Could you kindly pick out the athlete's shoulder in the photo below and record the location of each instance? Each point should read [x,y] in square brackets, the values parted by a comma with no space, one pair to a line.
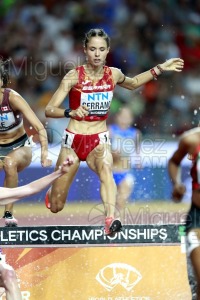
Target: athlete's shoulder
[80,68]
[13,94]
[71,74]
[115,70]
[190,134]
[71,78]
[117,75]
[16,100]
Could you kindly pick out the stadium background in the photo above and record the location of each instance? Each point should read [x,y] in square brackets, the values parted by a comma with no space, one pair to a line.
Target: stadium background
[44,40]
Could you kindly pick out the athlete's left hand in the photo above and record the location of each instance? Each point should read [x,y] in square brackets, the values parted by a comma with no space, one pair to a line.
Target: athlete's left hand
[178,192]
[173,64]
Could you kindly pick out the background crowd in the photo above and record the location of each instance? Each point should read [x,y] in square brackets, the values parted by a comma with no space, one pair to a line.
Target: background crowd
[44,40]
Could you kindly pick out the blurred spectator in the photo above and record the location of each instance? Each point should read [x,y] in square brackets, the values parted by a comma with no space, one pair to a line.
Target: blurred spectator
[42,36]
[125,141]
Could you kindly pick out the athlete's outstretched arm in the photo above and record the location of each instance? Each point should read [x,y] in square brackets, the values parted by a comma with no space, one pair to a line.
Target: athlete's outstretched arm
[9,195]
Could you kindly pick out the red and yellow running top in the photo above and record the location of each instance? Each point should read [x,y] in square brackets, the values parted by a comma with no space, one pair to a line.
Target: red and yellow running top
[97,96]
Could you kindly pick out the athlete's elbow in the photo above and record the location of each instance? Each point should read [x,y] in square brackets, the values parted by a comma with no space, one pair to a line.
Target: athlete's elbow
[48,111]
[131,87]
[135,83]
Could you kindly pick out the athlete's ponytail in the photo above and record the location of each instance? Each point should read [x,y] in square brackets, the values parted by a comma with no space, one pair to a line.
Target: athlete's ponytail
[4,74]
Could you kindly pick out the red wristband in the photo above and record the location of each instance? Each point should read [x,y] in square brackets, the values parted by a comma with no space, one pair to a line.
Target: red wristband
[153,72]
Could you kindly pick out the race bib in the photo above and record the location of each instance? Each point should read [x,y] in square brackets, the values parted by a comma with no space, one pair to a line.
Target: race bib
[104,138]
[97,103]
[6,121]
[67,139]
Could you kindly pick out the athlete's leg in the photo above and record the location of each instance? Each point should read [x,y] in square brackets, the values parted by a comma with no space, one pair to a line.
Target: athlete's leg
[100,161]
[15,162]
[124,191]
[8,280]
[1,164]
[195,255]
[58,192]
[8,195]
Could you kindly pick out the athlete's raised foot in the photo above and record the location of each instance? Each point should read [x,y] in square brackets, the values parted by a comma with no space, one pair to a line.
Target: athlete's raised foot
[112,226]
[47,203]
[10,220]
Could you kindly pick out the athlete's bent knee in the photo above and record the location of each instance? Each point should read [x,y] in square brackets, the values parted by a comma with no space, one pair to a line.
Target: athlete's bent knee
[8,276]
[56,207]
[10,166]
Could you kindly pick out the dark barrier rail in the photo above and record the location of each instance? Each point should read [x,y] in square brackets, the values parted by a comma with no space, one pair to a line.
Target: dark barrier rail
[91,235]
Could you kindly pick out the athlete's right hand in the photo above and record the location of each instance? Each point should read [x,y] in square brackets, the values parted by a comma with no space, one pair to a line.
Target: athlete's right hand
[178,192]
[80,112]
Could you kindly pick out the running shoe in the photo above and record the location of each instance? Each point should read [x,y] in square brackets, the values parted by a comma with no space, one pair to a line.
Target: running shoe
[47,203]
[10,220]
[112,226]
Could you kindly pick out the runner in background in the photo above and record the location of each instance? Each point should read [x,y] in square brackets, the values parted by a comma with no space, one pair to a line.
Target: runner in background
[125,143]
[15,145]
[189,144]
[8,279]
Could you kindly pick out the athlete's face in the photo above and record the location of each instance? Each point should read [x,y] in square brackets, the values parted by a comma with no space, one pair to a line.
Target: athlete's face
[96,51]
